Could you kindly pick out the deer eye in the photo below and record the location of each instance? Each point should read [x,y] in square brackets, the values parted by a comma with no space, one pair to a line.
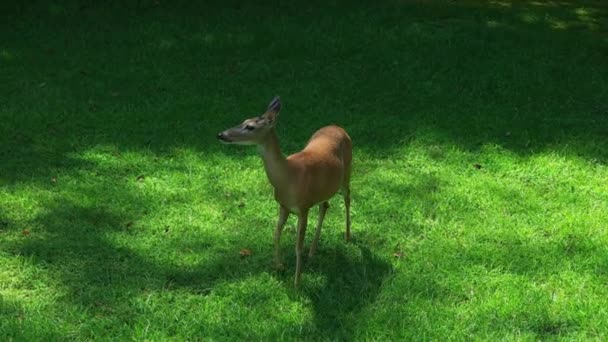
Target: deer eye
[249,127]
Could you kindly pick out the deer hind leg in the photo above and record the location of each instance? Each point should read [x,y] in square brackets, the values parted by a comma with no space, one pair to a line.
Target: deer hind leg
[302,222]
[346,195]
[348,157]
[283,215]
[315,242]
[345,190]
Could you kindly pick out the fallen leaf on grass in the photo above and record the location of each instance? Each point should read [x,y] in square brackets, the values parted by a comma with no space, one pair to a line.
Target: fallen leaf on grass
[245,252]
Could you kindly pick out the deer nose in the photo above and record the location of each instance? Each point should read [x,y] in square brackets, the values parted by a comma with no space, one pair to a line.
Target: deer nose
[222,137]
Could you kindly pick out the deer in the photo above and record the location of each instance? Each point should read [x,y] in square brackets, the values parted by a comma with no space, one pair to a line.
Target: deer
[301,180]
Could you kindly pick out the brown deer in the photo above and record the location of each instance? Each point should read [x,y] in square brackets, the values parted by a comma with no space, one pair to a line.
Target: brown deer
[302,180]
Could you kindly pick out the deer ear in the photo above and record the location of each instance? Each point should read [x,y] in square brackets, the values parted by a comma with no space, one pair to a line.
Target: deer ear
[274,107]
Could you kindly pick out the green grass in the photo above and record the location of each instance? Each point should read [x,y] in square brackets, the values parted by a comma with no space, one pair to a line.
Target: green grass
[480,182]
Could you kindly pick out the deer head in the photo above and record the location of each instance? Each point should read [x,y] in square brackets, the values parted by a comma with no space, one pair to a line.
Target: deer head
[255,130]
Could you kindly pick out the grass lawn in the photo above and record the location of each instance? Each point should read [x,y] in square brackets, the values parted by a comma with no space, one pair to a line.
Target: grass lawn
[480,180]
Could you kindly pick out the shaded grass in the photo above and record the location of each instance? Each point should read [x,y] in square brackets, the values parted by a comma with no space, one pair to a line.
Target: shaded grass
[479,190]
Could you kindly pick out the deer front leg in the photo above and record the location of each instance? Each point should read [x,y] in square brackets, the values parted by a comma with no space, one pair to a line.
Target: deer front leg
[302,222]
[315,242]
[283,215]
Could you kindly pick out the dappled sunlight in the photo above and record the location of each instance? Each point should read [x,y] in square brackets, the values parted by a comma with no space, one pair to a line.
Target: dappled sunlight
[493,23]
[154,241]
[214,39]
[479,184]
[507,4]
[135,223]
[165,44]
[497,189]
[550,3]
[557,24]
[530,18]
[185,175]
[7,55]
[588,16]
[551,13]
[174,222]
[585,13]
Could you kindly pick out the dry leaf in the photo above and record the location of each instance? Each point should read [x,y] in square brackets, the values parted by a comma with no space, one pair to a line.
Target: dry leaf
[245,252]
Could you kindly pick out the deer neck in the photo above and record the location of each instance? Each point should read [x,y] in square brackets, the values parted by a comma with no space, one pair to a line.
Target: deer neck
[275,163]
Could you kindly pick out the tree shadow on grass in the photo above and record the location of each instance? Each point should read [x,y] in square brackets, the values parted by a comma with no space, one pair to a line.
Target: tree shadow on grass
[477,94]
[524,100]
